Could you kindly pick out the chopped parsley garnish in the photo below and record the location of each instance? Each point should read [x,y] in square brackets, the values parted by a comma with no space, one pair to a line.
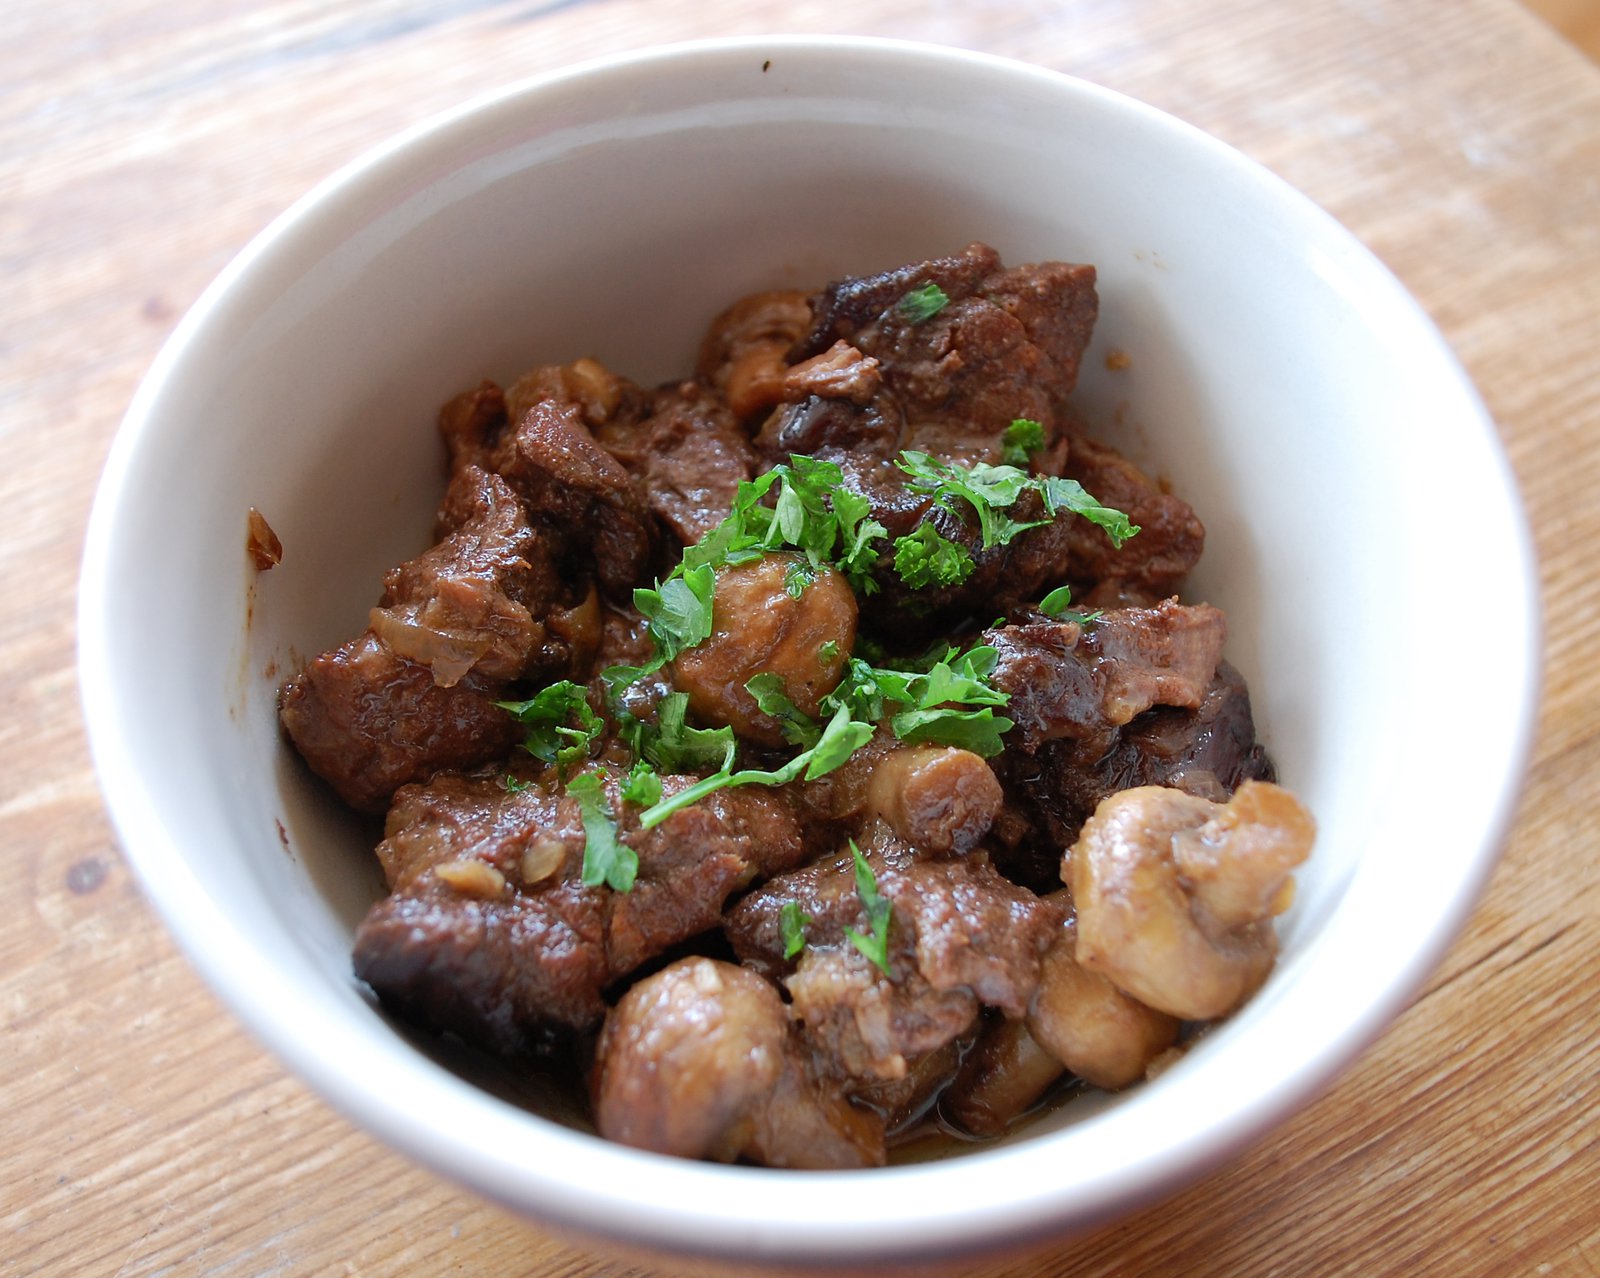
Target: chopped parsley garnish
[672,744]
[926,557]
[1022,439]
[991,490]
[606,859]
[874,944]
[988,490]
[976,730]
[950,702]
[803,507]
[798,728]
[642,786]
[797,577]
[679,611]
[549,717]
[811,512]
[1061,494]
[841,738]
[1057,604]
[922,304]
[943,698]
[792,920]
[513,786]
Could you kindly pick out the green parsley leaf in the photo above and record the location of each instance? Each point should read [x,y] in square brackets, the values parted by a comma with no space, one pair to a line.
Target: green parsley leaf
[642,786]
[790,514]
[976,730]
[875,944]
[964,679]
[1055,604]
[606,859]
[679,611]
[857,692]
[513,786]
[1022,439]
[922,304]
[673,745]
[797,576]
[827,651]
[926,557]
[771,699]
[739,535]
[841,738]
[792,920]
[947,703]
[1068,494]
[803,516]
[618,679]
[548,716]
[857,555]
[988,490]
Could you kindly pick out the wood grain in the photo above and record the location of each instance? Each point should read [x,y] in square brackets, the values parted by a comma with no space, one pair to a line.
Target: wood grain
[142,143]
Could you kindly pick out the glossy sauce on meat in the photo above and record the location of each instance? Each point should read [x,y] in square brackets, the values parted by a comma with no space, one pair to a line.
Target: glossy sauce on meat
[739,751]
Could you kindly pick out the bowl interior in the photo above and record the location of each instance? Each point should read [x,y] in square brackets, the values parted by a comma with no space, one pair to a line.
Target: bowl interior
[1276,374]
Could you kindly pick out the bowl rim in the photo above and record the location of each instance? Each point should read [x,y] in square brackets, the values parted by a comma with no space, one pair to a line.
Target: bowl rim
[710,1211]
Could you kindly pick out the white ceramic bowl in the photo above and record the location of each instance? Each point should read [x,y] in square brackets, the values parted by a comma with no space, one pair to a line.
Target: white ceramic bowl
[1360,513]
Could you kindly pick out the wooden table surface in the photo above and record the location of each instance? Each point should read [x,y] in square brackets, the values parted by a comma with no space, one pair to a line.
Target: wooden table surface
[142,142]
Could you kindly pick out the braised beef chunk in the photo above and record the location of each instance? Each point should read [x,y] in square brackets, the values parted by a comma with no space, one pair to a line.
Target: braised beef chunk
[845,307]
[823,893]
[959,937]
[775,831]
[693,861]
[1160,656]
[506,974]
[974,929]
[368,721]
[1148,567]
[868,1026]
[1005,344]
[1002,345]
[567,480]
[471,425]
[881,376]
[1208,751]
[837,429]
[526,835]
[1067,680]
[689,453]
[415,693]
[487,881]
[469,602]
[957,923]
